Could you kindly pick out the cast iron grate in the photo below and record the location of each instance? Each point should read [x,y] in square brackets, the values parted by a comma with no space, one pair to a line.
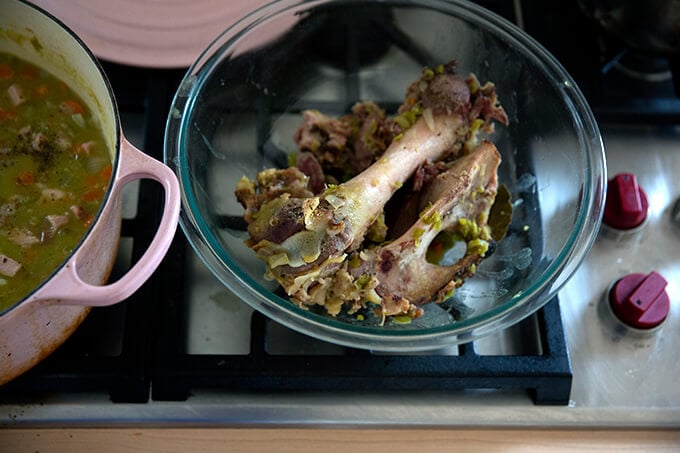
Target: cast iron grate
[592,58]
[119,350]
[545,374]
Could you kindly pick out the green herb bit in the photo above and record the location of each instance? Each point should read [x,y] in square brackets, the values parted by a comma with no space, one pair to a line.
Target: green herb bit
[402,122]
[292,159]
[468,229]
[363,281]
[477,246]
[404,319]
[434,219]
[417,235]
[473,84]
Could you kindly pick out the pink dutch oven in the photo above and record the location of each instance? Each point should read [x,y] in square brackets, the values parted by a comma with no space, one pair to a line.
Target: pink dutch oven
[34,327]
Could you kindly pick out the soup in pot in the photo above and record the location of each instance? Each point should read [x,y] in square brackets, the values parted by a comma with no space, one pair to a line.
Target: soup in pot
[54,172]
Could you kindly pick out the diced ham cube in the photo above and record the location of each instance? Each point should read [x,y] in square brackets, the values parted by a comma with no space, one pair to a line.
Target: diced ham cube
[23,237]
[77,211]
[8,267]
[54,222]
[16,94]
[53,194]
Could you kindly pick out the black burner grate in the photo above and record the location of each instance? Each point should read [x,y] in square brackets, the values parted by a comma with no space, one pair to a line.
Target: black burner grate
[546,374]
[595,59]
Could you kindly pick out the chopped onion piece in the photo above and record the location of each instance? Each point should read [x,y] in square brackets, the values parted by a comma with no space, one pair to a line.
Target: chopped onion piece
[78,118]
[429,118]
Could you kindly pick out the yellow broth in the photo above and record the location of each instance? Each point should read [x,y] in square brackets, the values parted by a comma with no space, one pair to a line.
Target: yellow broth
[54,172]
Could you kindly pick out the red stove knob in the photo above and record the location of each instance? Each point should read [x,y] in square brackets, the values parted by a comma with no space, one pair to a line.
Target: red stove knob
[626,206]
[640,301]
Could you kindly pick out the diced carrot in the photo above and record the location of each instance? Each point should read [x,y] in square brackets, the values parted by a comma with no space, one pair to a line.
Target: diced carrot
[90,180]
[41,90]
[25,178]
[29,72]
[28,255]
[87,219]
[7,114]
[105,173]
[6,71]
[71,107]
[91,195]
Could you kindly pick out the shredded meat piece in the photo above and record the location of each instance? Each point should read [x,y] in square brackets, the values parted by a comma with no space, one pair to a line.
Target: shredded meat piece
[310,166]
[347,145]
[22,237]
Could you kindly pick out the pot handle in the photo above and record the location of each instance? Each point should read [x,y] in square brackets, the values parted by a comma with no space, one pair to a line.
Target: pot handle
[66,286]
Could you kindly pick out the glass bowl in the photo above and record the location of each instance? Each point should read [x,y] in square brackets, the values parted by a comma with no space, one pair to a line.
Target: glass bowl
[239,105]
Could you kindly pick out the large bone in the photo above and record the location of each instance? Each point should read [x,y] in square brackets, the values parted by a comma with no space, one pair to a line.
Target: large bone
[312,243]
[459,199]
[397,277]
[318,231]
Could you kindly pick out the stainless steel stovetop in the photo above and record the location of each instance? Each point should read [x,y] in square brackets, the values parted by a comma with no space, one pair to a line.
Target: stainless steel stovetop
[620,379]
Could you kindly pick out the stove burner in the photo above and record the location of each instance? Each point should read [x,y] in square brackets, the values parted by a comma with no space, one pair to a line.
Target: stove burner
[544,371]
[675,214]
[647,68]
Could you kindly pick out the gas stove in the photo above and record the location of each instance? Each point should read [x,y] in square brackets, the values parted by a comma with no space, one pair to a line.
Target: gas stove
[185,351]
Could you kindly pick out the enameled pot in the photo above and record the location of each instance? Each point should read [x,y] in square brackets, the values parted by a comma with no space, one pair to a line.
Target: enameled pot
[34,327]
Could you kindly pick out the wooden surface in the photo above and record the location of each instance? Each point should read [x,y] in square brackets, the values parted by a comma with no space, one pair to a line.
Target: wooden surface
[333,440]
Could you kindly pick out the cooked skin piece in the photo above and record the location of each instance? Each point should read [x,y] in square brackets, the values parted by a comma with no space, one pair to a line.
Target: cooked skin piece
[327,247]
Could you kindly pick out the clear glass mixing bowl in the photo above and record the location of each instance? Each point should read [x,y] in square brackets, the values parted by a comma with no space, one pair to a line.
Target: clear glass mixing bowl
[239,105]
